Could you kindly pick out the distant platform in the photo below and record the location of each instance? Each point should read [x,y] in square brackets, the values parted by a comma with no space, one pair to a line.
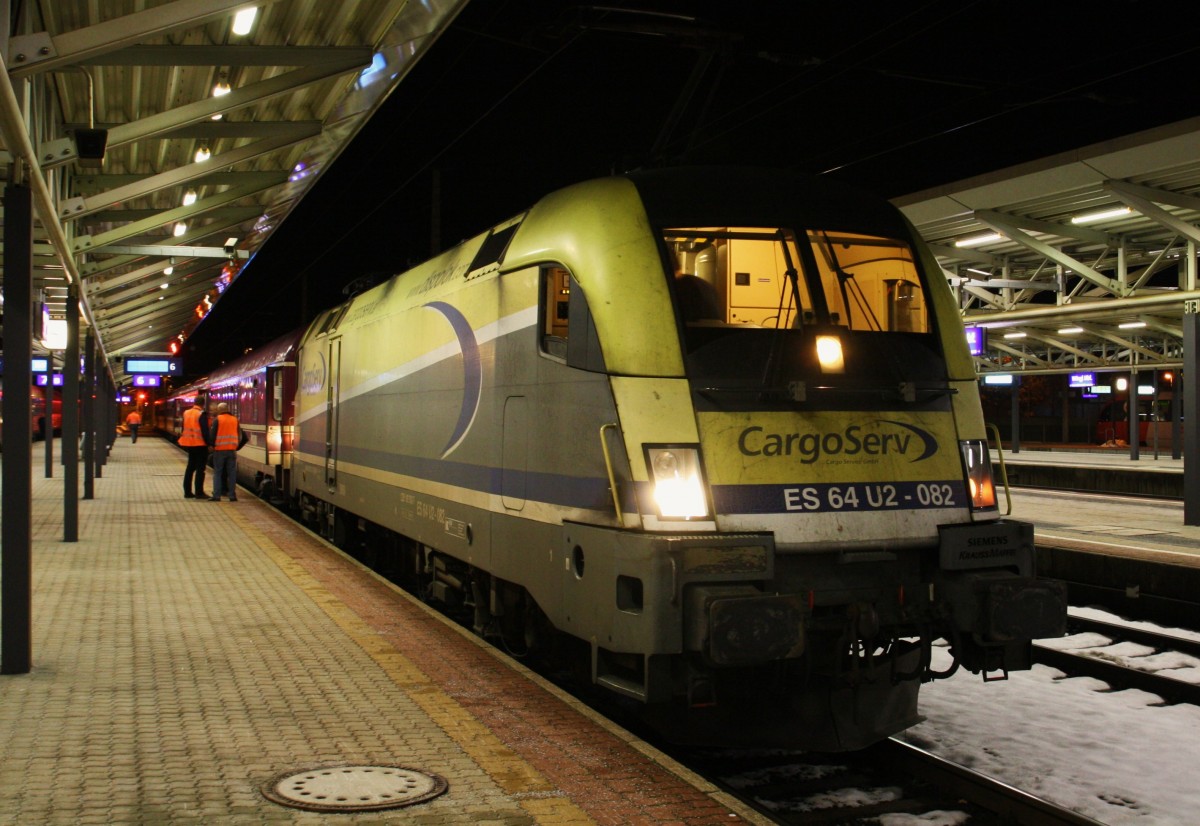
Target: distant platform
[1095,469]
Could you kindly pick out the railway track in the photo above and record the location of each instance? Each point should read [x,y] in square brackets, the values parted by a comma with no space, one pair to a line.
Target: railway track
[1119,676]
[891,777]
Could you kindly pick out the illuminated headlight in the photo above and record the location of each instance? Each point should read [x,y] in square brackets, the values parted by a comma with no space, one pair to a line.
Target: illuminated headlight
[679,489]
[977,463]
[829,354]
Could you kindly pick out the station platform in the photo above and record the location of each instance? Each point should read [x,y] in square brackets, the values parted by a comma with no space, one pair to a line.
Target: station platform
[1100,470]
[188,655]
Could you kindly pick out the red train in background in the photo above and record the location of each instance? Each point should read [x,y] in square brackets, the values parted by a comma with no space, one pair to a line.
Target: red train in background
[37,409]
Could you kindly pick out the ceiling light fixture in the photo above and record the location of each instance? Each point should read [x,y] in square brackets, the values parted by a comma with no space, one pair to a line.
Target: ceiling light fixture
[1132,325]
[1070,331]
[180,228]
[243,21]
[979,239]
[189,197]
[203,153]
[1015,335]
[1103,215]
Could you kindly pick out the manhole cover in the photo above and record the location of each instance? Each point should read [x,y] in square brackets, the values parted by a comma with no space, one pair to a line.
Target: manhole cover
[354,788]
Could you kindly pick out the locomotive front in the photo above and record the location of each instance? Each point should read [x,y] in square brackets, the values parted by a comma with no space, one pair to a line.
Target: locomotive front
[799,468]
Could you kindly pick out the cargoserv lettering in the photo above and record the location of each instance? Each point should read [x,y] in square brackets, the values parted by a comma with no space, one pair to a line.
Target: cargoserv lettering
[810,447]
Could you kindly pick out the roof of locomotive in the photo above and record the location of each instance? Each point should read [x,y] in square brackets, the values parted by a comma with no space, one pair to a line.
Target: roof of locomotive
[758,196]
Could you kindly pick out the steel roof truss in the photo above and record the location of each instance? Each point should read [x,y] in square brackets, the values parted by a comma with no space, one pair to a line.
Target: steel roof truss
[42,52]
[142,285]
[1011,228]
[1135,197]
[95,243]
[1021,354]
[79,207]
[228,55]
[108,264]
[147,312]
[64,151]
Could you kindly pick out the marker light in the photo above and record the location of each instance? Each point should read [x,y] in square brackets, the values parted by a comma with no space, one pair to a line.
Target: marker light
[678,482]
[977,463]
[829,354]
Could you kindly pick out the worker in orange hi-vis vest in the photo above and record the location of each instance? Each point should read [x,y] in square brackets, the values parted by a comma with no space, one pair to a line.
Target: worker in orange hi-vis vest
[133,421]
[194,439]
[227,439]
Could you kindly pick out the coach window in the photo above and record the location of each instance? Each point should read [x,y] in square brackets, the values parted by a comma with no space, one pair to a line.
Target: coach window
[277,396]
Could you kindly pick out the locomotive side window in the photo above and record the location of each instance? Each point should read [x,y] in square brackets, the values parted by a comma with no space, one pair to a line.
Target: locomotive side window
[567,330]
[556,311]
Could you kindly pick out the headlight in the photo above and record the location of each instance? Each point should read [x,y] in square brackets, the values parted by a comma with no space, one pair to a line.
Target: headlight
[977,463]
[679,489]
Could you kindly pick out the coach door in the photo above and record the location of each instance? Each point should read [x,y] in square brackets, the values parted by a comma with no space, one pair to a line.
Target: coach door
[332,414]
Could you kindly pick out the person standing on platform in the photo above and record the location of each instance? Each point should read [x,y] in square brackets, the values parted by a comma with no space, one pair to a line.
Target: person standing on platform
[133,421]
[194,439]
[227,440]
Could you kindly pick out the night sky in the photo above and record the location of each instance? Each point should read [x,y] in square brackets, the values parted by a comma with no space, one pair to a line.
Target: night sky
[521,97]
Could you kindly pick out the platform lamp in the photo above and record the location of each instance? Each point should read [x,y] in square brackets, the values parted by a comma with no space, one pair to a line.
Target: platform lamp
[91,142]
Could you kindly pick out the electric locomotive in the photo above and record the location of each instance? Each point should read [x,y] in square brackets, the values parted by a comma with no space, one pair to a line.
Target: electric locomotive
[719,426]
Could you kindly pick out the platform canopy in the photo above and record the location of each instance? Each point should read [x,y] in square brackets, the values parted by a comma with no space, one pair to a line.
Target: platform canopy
[165,140]
[1085,260]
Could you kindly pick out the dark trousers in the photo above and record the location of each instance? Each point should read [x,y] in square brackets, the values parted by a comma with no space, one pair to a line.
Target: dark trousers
[197,459]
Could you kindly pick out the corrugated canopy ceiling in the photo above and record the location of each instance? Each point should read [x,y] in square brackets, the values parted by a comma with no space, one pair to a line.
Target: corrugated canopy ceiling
[212,137]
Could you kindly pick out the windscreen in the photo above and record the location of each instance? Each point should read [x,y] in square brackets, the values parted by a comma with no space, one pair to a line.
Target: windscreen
[752,302]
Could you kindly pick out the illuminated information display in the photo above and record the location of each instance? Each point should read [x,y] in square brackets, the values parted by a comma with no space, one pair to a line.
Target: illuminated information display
[146,380]
[153,365]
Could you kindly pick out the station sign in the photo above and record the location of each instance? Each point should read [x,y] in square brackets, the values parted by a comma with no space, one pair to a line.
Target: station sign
[1082,379]
[976,339]
[146,380]
[999,379]
[156,365]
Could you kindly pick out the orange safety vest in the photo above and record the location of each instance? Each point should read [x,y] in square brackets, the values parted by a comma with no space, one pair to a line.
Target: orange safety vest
[133,418]
[227,432]
[191,435]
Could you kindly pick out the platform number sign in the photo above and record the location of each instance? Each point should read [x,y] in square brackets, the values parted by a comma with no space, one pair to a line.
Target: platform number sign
[1191,306]
[154,365]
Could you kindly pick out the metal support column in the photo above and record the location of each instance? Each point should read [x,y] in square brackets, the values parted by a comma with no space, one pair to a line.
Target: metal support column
[1189,387]
[70,419]
[16,530]
[89,416]
[1015,446]
[1135,427]
[48,415]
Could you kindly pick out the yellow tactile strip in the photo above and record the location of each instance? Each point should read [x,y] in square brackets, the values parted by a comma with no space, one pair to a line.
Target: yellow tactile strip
[562,764]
